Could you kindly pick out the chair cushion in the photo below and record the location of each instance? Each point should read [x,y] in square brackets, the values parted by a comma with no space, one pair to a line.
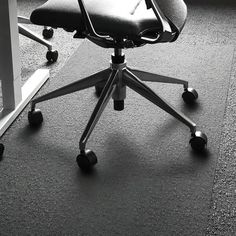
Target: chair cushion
[119,18]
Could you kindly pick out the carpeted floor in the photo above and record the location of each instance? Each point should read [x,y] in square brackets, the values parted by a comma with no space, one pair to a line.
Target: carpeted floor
[147,181]
[213,23]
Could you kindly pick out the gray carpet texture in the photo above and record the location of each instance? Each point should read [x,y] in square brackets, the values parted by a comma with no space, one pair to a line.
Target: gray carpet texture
[147,181]
[213,23]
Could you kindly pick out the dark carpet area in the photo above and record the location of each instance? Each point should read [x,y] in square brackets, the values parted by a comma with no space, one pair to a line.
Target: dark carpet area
[147,181]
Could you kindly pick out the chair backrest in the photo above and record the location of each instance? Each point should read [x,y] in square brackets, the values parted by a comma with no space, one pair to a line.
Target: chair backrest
[175,11]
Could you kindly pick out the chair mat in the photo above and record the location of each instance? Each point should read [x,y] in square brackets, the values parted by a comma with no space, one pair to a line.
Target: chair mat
[147,180]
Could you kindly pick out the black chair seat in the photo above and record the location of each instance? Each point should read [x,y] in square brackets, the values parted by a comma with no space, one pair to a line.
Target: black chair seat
[118,18]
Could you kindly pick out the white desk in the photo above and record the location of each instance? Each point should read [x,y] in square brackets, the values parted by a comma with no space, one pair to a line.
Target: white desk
[15,97]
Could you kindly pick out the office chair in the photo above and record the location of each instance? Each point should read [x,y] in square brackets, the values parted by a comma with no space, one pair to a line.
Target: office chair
[51,55]
[119,25]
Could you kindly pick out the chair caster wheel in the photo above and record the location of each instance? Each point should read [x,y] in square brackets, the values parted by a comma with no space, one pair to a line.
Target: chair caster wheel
[35,118]
[190,95]
[86,160]
[198,141]
[2,148]
[52,56]
[48,33]
[98,88]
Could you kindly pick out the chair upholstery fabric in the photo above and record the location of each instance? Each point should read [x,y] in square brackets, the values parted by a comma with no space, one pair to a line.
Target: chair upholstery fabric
[118,18]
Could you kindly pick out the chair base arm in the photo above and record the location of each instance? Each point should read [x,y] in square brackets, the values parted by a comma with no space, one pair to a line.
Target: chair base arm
[115,80]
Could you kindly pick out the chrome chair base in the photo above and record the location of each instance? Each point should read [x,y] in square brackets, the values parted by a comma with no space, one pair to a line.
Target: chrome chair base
[114,81]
